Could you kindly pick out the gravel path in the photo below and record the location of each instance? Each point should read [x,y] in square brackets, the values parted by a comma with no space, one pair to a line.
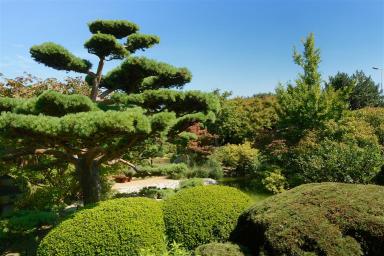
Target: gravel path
[137,184]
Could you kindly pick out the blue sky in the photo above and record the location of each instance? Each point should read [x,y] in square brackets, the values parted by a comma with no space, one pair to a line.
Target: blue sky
[241,46]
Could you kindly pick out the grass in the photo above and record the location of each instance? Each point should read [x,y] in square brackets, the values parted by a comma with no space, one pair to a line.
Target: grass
[251,187]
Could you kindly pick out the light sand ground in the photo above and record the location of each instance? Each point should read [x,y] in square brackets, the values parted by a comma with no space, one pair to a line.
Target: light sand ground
[137,184]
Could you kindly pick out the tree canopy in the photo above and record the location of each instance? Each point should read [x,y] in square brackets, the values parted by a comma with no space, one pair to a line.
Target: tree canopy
[362,90]
[89,131]
[135,74]
[307,105]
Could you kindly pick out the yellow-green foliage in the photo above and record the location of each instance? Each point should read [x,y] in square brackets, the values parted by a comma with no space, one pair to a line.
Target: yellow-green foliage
[239,159]
[317,219]
[343,151]
[373,116]
[242,119]
[203,214]
[115,227]
[274,181]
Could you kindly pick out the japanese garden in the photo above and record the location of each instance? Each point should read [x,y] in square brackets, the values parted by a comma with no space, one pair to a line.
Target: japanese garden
[296,171]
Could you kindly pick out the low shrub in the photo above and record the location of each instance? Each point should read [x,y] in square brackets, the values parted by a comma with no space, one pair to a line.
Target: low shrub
[239,160]
[316,219]
[274,181]
[203,214]
[173,171]
[208,169]
[22,230]
[25,221]
[219,249]
[115,227]
[190,183]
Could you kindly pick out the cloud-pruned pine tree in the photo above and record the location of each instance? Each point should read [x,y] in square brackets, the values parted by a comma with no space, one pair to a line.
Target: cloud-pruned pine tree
[127,106]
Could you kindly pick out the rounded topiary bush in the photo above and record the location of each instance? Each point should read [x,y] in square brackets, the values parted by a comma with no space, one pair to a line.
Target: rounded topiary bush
[203,214]
[115,227]
[219,249]
[316,219]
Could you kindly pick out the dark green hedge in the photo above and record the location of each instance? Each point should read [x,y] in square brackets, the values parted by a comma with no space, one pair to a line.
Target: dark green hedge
[219,249]
[317,219]
[203,214]
[114,227]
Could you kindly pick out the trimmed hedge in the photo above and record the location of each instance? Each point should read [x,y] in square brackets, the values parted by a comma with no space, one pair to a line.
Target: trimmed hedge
[114,227]
[316,219]
[203,214]
[219,249]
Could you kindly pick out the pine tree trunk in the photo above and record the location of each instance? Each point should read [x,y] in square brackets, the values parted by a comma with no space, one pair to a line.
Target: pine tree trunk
[89,175]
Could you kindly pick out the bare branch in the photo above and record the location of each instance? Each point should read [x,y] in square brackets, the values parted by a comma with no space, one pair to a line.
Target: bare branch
[55,153]
[134,167]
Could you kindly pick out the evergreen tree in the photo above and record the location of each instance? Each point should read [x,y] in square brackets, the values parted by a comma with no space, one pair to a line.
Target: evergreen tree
[90,131]
[363,92]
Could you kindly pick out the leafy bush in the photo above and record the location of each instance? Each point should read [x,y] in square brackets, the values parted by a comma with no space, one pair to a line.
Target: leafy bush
[173,171]
[22,230]
[316,219]
[219,249]
[24,221]
[115,227]
[274,181]
[203,214]
[240,160]
[208,169]
[373,116]
[190,183]
[242,119]
[344,151]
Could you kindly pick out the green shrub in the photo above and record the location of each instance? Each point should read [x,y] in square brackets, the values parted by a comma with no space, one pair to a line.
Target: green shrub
[274,181]
[27,220]
[316,219]
[209,169]
[22,230]
[173,171]
[190,183]
[114,227]
[345,151]
[239,160]
[203,214]
[219,249]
